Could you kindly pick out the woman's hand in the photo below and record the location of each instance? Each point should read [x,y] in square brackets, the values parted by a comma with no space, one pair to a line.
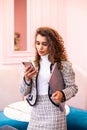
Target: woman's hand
[29,73]
[57,96]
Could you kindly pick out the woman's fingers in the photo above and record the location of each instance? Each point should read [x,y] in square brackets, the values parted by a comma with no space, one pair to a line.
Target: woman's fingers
[30,72]
[57,96]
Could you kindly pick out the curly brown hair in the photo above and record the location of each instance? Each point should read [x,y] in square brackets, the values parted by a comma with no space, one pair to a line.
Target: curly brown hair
[57,52]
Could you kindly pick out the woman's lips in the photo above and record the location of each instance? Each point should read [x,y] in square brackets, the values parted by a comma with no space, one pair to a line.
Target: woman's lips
[41,52]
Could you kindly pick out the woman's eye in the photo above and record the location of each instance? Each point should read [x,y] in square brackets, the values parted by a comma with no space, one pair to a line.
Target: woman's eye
[37,43]
[45,44]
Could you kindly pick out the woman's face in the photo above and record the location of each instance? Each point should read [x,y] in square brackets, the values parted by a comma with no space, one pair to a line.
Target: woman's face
[41,45]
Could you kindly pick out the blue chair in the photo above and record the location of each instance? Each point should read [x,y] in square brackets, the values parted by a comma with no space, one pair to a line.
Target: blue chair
[19,125]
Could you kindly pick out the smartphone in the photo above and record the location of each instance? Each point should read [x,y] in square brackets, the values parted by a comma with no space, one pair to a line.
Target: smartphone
[28,64]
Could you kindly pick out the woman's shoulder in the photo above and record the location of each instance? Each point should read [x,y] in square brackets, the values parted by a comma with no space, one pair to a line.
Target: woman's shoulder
[67,65]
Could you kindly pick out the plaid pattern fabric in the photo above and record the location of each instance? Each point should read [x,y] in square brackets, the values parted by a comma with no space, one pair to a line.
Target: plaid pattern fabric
[46,116]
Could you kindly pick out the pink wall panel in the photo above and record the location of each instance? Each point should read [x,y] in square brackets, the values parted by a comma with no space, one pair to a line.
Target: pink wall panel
[20,21]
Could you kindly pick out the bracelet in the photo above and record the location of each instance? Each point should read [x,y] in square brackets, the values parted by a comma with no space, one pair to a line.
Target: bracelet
[64,98]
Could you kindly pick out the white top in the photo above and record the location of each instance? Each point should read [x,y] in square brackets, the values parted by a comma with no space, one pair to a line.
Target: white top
[44,75]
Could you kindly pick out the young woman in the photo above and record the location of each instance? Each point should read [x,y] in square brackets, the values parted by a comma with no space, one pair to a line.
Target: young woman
[47,113]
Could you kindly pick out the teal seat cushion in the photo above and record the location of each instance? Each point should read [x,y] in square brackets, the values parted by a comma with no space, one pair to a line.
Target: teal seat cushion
[14,123]
[77,119]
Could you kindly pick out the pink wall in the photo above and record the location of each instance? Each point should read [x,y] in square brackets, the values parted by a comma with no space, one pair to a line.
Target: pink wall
[77,47]
[77,32]
[20,21]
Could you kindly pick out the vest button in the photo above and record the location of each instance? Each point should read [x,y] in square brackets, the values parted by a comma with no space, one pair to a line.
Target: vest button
[30,97]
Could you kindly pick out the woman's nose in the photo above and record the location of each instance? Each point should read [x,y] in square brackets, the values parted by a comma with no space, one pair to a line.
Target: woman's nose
[41,46]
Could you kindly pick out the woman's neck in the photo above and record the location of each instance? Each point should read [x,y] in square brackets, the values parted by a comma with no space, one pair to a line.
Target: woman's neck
[44,57]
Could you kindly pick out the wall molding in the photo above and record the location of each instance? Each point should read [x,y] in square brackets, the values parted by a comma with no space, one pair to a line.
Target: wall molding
[37,15]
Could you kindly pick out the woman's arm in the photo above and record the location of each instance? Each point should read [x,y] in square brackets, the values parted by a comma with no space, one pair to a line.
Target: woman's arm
[69,79]
[26,84]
